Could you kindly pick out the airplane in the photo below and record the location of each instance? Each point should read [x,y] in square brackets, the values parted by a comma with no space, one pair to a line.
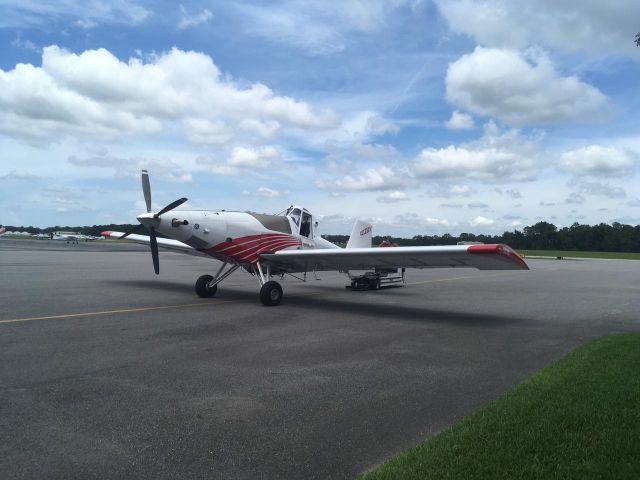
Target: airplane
[268,246]
[71,237]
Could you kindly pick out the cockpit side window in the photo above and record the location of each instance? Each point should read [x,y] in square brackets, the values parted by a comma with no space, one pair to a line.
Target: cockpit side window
[305,226]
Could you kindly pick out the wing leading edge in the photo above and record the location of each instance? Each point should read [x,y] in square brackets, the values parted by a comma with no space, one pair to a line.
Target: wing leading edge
[164,243]
[482,257]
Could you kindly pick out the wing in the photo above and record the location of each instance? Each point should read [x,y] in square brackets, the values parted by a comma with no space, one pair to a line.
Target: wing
[482,257]
[164,243]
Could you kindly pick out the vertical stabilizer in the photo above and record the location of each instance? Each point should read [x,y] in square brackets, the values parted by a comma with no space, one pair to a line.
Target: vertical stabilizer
[360,235]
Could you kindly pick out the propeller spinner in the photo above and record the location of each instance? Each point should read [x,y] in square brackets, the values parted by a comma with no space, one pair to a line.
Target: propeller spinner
[148,220]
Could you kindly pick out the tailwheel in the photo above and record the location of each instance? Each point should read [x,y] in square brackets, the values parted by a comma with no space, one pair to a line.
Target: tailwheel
[271,294]
[202,287]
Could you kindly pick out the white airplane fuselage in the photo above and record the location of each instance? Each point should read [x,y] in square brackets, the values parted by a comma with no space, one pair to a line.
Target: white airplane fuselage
[235,237]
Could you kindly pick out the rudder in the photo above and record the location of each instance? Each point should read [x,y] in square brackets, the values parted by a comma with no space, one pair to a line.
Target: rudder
[360,235]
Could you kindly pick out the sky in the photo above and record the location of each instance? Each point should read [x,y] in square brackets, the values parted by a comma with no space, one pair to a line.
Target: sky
[422,116]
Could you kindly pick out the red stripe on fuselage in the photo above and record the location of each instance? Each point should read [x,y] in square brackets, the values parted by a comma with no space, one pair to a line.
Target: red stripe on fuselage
[255,254]
[237,251]
[248,249]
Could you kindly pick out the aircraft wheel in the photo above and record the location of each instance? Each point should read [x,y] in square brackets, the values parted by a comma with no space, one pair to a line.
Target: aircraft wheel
[203,289]
[271,294]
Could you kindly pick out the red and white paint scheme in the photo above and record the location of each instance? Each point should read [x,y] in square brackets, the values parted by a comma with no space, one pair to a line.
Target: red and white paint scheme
[269,246]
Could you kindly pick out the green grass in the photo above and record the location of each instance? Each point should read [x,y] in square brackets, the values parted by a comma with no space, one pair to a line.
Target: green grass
[577,419]
[568,253]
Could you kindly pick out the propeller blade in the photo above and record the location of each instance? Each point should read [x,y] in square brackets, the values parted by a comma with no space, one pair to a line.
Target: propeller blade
[154,251]
[146,189]
[133,230]
[171,206]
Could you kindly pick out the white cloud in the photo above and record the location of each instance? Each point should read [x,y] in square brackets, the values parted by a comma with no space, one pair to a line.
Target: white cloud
[520,89]
[85,23]
[249,157]
[166,169]
[265,192]
[327,25]
[460,121]
[381,178]
[343,157]
[443,222]
[598,160]
[264,129]
[20,175]
[461,190]
[20,13]
[94,93]
[494,157]
[480,221]
[379,126]
[575,199]
[513,193]
[393,197]
[26,44]
[601,189]
[203,131]
[591,26]
[269,193]
[191,20]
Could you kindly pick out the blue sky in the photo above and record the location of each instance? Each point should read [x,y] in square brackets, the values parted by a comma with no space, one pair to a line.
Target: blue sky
[421,116]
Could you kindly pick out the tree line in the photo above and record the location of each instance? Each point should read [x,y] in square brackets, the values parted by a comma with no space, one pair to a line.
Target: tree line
[603,237]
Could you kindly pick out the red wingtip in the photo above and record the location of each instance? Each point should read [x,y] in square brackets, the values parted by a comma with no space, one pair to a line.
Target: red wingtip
[106,233]
[500,249]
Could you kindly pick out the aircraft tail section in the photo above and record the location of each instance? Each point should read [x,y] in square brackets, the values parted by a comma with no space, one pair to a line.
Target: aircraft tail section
[360,235]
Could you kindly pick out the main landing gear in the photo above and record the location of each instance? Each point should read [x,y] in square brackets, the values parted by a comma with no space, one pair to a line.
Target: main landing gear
[270,290]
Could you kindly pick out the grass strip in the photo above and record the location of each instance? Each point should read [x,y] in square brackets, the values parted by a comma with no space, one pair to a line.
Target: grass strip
[569,253]
[577,419]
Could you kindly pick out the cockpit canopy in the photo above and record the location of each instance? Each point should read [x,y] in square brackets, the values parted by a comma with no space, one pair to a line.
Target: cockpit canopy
[302,220]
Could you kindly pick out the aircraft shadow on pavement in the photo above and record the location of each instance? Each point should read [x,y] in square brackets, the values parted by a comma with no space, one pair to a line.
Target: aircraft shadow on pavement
[153,285]
[400,312]
[322,303]
[182,287]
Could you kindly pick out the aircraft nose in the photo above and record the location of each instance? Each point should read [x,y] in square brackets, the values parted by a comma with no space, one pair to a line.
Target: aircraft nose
[148,220]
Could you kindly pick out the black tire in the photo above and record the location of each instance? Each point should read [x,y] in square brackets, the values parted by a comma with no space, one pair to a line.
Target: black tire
[202,287]
[271,294]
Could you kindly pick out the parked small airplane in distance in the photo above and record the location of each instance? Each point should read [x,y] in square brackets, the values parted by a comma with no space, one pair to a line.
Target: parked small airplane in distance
[69,237]
[268,246]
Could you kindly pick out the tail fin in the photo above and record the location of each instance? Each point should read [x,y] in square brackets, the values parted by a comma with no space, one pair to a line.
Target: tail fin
[360,235]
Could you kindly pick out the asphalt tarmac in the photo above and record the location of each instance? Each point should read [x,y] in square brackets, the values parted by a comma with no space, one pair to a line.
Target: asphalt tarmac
[107,371]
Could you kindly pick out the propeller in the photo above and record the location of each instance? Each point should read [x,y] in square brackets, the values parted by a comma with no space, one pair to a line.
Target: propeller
[146,189]
[153,241]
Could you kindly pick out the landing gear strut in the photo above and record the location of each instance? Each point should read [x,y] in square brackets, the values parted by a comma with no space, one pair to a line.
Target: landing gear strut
[270,290]
[207,286]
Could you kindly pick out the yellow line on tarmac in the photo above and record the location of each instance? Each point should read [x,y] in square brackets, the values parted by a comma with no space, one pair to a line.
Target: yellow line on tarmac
[131,310]
[441,280]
